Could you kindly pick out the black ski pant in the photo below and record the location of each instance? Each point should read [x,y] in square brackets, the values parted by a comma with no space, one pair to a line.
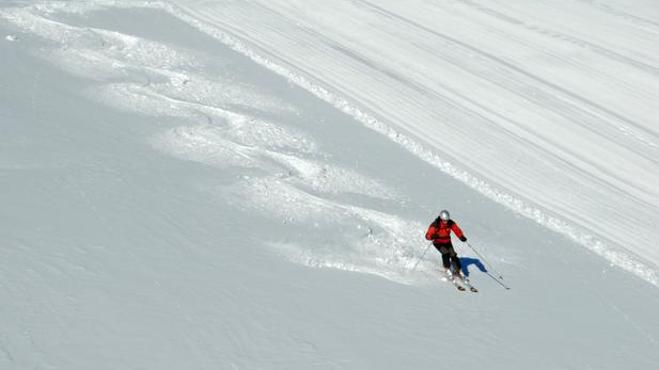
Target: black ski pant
[449,256]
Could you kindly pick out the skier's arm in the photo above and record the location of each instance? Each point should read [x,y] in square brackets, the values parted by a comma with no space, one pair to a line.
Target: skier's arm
[430,234]
[458,232]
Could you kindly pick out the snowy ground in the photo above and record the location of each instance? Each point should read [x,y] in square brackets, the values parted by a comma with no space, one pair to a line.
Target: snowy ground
[197,185]
[502,95]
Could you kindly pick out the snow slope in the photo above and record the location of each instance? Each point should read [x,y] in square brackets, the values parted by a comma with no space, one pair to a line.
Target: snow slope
[169,202]
[502,95]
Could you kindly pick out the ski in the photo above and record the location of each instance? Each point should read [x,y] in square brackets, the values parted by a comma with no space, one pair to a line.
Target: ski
[450,277]
[466,282]
[460,281]
[457,285]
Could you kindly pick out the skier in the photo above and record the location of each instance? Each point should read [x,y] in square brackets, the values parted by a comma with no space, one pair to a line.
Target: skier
[440,233]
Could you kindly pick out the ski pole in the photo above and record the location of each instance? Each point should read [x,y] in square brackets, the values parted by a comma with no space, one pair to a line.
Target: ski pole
[498,281]
[420,258]
[484,260]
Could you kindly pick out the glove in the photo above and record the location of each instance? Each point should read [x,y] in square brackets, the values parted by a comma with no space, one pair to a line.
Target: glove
[463,239]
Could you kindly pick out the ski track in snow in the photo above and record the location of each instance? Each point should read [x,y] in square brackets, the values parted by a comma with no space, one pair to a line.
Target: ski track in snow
[161,217]
[302,50]
[168,82]
[285,174]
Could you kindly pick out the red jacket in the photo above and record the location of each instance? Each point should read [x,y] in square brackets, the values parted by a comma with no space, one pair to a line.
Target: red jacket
[440,232]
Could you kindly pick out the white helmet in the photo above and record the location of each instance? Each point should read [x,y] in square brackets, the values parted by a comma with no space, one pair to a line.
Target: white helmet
[444,215]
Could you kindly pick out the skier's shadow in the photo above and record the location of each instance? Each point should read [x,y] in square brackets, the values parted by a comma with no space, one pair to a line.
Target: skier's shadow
[465,262]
